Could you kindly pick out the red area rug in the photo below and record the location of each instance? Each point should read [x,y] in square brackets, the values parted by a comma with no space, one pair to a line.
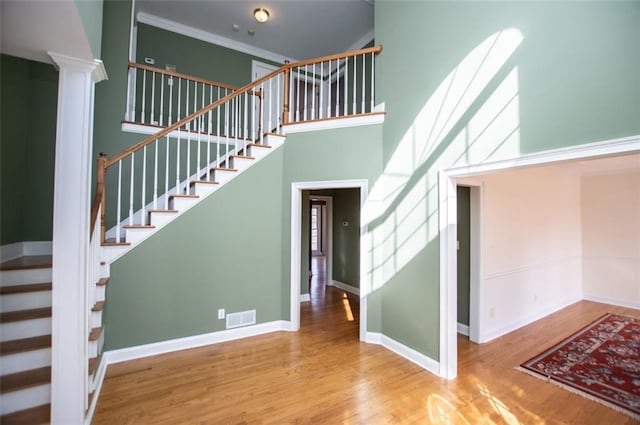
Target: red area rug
[601,362]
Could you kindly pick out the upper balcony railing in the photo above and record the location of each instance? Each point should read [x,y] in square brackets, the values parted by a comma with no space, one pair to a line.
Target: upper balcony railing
[206,123]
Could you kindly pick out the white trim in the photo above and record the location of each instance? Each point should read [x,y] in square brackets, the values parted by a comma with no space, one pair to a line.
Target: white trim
[463,329]
[305,298]
[208,37]
[21,249]
[296,235]
[491,334]
[425,362]
[178,344]
[447,216]
[98,379]
[612,301]
[345,287]
[329,124]
[150,129]
[362,41]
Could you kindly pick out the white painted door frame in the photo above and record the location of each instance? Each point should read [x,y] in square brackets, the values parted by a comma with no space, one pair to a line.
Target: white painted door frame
[447,182]
[296,236]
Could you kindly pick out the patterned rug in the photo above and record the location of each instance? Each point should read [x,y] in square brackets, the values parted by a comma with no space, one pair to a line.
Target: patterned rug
[600,362]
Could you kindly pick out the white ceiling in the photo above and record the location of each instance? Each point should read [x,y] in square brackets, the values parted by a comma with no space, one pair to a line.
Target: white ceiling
[297,29]
[30,29]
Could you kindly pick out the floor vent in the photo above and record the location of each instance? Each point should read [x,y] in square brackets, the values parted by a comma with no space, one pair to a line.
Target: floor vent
[242,318]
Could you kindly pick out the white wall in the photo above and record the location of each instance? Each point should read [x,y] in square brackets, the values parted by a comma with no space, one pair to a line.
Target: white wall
[531,247]
[611,238]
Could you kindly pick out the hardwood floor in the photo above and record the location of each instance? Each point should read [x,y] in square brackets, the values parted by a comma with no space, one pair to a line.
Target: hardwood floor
[323,374]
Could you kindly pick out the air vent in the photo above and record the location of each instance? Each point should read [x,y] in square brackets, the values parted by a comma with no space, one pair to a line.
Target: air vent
[242,318]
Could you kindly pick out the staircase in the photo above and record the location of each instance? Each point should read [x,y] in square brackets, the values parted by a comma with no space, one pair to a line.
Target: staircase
[146,187]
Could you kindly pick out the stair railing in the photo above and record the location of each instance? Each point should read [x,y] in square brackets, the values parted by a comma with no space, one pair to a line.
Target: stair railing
[160,97]
[145,176]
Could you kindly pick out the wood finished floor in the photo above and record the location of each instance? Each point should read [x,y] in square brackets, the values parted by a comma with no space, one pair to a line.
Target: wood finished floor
[324,375]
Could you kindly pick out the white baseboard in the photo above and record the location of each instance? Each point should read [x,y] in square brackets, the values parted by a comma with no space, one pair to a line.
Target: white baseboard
[463,329]
[492,334]
[425,362]
[305,298]
[20,249]
[341,122]
[345,287]
[612,301]
[146,350]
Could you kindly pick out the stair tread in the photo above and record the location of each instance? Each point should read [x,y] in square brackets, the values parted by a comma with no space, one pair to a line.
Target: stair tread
[99,306]
[95,333]
[27,262]
[33,416]
[93,363]
[203,182]
[26,344]
[29,287]
[26,379]
[258,145]
[109,243]
[242,156]
[184,196]
[224,169]
[164,211]
[138,226]
[103,281]
[16,316]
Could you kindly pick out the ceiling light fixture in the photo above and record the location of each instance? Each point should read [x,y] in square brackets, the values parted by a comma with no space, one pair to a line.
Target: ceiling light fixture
[261,14]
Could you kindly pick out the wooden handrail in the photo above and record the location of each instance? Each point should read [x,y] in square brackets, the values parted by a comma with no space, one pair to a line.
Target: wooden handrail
[181,75]
[375,49]
[99,198]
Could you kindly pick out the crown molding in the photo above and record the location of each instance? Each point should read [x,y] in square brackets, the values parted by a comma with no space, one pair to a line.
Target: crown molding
[208,37]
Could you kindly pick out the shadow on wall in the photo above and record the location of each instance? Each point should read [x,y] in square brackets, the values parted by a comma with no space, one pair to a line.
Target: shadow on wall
[471,117]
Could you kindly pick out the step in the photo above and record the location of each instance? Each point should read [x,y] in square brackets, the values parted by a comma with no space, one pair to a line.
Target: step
[27,263]
[26,270]
[241,162]
[25,323]
[38,415]
[25,297]
[24,354]
[25,390]
[182,202]
[223,174]
[137,233]
[159,218]
[203,187]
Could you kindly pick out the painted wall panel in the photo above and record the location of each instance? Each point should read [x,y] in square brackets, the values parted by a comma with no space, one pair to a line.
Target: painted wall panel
[611,237]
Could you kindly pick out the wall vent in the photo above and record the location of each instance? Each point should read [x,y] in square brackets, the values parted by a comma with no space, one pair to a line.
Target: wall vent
[242,318]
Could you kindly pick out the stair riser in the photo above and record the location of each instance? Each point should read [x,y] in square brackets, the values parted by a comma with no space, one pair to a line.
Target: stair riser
[24,399]
[25,301]
[241,164]
[27,360]
[203,190]
[96,319]
[100,294]
[135,236]
[95,347]
[182,204]
[258,153]
[223,177]
[25,329]
[20,277]
[160,219]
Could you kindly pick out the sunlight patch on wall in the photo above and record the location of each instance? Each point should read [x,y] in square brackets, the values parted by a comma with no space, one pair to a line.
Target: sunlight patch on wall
[401,212]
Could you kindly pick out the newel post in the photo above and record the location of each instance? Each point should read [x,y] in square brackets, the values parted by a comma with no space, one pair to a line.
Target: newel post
[285,97]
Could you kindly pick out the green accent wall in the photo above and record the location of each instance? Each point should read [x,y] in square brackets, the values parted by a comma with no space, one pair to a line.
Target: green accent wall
[194,57]
[346,239]
[464,267]
[91,15]
[573,78]
[29,93]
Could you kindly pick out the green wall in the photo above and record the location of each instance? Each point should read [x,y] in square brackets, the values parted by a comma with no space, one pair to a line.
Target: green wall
[91,15]
[194,57]
[29,92]
[464,267]
[572,79]
[346,240]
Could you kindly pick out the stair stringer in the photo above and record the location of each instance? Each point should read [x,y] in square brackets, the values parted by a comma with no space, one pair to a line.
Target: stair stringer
[111,253]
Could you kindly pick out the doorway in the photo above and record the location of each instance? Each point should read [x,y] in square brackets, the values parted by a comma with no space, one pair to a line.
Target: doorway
[296,276]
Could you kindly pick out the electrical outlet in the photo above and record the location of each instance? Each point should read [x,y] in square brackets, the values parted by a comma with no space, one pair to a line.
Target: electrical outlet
[150,61]
[221,314]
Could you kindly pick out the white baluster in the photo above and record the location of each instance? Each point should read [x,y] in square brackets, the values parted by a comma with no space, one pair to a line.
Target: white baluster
[373,71]
[155,176]
[153,97]
[170,117]
[253,115]
[144,93]
[279,106]
[297,112]
[186,105]
[337,87]
[364,77]
[194,123]
[178,164]
[217,138]
[355,83]
[329,93]
[162,100]
[131,189]
[304,111]
[202,107]
[144,184]
[179,98]
[132,94]
[345,83]
[244,125]
[270,110]
[188,170]
[166,176]
[313,93]
[320,111]
[262,113]
[119,202]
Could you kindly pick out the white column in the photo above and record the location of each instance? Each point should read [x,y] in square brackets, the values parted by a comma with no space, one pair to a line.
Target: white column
[71,204]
